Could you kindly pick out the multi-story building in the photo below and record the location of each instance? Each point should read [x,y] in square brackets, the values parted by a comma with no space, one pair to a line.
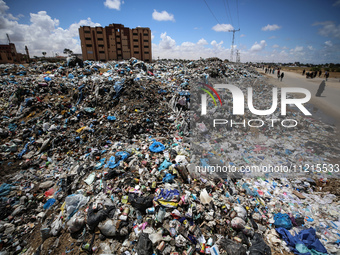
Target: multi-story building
[8,54]
[115,42]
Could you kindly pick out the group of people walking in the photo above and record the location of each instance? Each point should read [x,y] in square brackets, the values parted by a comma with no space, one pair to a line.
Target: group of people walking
[313,74]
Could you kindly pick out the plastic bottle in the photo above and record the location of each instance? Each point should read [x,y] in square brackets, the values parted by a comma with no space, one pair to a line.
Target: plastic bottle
[160,215]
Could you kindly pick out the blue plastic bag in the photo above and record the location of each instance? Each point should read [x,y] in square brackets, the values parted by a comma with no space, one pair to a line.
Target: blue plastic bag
[168,178]
[49,203]
[164,165]
[111,118]
[157,147]
[282,221]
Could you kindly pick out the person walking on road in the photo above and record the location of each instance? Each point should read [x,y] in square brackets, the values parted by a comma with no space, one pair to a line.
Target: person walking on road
[304,71]
[282,75]
[326,75]
[320,72]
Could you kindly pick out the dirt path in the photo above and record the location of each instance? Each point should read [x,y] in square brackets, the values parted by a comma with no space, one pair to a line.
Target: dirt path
[328,103]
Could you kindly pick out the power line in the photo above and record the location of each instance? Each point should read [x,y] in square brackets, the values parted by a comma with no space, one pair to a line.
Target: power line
[225,8]
[238,16]
[230,13]
[211,12]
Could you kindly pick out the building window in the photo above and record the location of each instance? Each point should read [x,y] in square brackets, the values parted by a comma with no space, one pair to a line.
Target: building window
[146,52]
[100,39]
[146,46]
[101,51]
[86,31]
[88,45]
[145,40]
[135,33]
[101,45]
[135,40]
[87,38]
[136,52]
[135,46]
[146,34]
[99,32]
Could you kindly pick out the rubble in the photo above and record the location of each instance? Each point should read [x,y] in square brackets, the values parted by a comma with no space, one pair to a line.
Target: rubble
[102,158]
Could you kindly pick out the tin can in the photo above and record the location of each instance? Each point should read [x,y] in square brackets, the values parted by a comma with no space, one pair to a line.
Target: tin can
[161,246]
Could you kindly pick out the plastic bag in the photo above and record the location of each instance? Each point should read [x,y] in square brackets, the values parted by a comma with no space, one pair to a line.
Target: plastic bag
[259,247]
[282,221]
[76,223]
[157,147]
[241,212]
[168,178]
[204,197]
[95,216]
[49,203]
[140,203]
[50,192]
[56,225]
[144,246]
[108,228]
[73,203]
[238,223]
[233,248]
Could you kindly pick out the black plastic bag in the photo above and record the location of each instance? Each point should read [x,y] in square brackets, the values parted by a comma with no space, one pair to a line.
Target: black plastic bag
[259,247]
[94,216]
[140,203]
[144,246]
[233,248]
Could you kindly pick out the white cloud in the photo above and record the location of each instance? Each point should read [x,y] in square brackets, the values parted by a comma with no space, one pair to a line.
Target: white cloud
[297,49]
[258,46]
[152,36]
[42,33]
[328,29]
[113,4]
[310,47]
[168,48]
[271,27]
[222,27]
[242,35]
[275,46]
[162,16]
[167,42]
[3,7]
[329,43]
[336,3]
[202,41]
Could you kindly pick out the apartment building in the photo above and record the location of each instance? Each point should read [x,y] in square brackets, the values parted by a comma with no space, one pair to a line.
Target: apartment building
[8,54]
[115,42]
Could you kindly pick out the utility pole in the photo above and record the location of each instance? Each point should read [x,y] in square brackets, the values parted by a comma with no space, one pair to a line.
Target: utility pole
[238,60]
[9,41]
[232,44]
[27,54]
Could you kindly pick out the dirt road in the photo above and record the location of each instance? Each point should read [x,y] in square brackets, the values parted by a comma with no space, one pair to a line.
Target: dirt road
[328,103]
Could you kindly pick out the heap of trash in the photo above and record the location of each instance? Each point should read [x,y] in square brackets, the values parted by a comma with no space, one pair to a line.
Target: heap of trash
[101,158]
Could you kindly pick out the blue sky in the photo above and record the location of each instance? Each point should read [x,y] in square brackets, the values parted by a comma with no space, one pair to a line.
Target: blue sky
[279,31]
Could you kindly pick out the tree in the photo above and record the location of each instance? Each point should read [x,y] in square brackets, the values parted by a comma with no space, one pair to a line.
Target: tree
[44,53]
[68,52]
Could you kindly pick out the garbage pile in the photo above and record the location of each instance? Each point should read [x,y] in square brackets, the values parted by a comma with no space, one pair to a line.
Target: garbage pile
[97,158]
